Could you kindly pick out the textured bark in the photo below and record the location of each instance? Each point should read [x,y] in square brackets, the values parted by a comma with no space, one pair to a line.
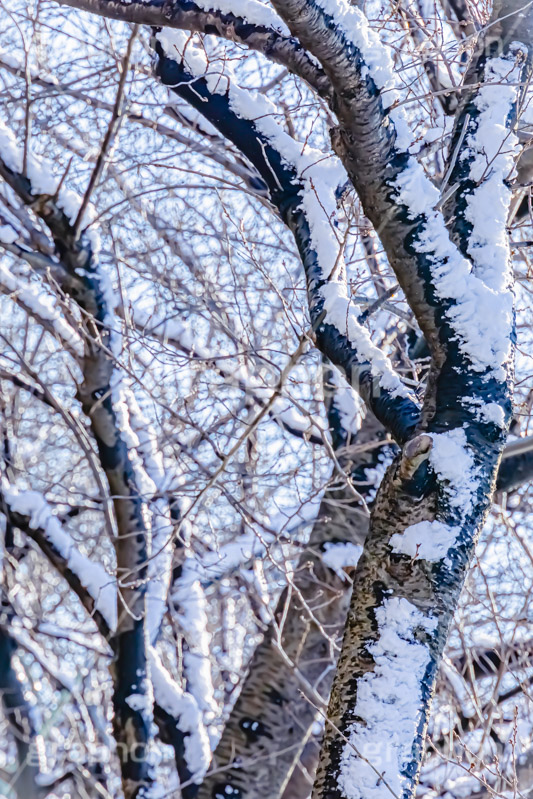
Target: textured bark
[365,141]
[272,719]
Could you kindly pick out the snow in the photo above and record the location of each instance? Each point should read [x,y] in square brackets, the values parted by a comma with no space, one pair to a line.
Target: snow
[252,11]
[452,460]
[342,313]
[482,294]
[42,180]
[379,746]
[426,540]
[476,305]
[184,708]
[492,151]
[191,604]
[341,555]
[493,413]
[489,412]
[479,297]
[347,401]
[353,26]
[8,235]
[142,700]
[319,176]
[42,304]
[100,585]
[144,439]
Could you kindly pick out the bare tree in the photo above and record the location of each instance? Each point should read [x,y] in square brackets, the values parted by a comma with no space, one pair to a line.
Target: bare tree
[264,273]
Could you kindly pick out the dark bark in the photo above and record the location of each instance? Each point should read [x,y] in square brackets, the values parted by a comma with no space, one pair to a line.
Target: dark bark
[77,274]
[24,778]
[399,415]
[516,466]
[187,15]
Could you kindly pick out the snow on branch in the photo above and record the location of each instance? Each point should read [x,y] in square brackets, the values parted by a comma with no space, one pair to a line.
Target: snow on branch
[186,715]
[143,444]
[302,184]
[40,305]
[100,585]
[189,600]
[362,70]
[40,181]
[252,24]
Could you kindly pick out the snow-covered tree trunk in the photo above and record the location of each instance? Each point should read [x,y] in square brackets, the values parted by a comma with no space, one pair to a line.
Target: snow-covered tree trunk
[443,404]
[434,499]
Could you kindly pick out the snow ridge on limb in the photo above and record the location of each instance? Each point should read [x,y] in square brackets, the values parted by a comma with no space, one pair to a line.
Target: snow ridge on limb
[395,192]
[40,305]
[100,585]
[253,25]
[480,287]
[302,186]
[178,712]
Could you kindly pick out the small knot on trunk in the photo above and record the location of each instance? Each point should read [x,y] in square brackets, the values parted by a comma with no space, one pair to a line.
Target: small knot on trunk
[415,452]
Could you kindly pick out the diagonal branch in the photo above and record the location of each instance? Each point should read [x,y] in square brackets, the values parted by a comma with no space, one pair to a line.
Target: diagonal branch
[259,29]
[293,181]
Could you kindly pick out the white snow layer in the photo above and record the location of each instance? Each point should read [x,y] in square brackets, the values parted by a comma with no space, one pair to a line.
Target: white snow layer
[341,555]
[191,603]
[42,304]
[319,176]
[144,440]
[100,585]
[483,295]
[8,235]
[184,708]
[252,11]
[452,461]
[388,699]
[482,314]
[425,540]
[42,180]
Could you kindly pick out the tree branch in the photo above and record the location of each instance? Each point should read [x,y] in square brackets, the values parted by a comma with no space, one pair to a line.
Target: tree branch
[393,407]
[269,39]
